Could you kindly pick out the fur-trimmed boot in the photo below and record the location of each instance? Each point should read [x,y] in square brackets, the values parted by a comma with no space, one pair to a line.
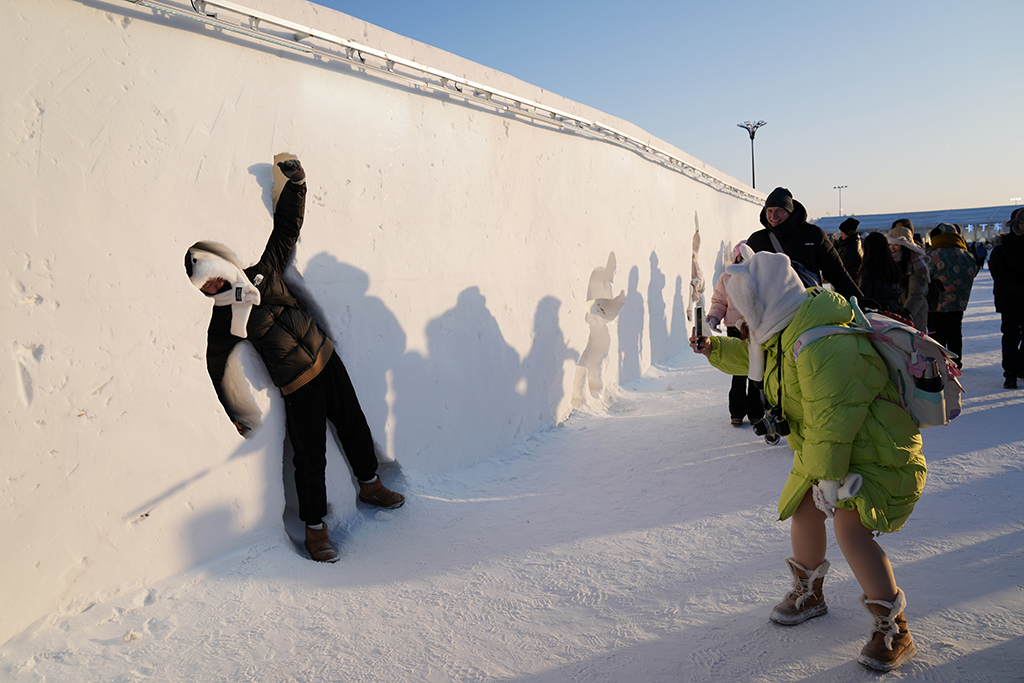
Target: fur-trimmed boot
[806,600]
[375,492]
[891,644]
[319,546]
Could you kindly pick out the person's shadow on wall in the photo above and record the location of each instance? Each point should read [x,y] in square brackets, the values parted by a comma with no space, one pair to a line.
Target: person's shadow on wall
[366,334]
[542,371]
[631,329]
[656,309]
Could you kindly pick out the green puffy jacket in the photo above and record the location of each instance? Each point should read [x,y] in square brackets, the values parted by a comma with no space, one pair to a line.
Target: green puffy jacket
[843,412]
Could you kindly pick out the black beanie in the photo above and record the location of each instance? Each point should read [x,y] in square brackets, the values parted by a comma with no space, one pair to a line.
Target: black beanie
[780,198]
[905,222]
[849,226]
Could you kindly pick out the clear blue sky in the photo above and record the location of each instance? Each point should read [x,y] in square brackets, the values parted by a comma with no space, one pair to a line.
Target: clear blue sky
[912,105]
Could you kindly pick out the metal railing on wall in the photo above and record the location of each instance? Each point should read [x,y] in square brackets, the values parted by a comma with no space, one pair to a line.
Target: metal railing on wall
[310,41]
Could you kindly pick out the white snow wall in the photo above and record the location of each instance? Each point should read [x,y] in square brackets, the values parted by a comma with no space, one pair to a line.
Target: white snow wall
[448,246]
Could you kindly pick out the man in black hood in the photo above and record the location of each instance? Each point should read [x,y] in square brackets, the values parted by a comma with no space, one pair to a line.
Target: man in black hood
[255,304]
[785,220]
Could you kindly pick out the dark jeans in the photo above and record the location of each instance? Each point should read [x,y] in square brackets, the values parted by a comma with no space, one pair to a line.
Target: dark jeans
[1013,333]
[744,396]
[328,396]
[947,329]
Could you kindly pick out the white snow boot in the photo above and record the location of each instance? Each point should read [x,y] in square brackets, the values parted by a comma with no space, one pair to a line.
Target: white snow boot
[891,644]
[806,599]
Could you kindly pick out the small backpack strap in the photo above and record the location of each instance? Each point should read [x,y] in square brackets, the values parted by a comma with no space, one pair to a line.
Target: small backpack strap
[816,333]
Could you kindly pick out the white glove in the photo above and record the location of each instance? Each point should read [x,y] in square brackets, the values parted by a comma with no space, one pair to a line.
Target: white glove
[713,323]
[827,493]
[849,486]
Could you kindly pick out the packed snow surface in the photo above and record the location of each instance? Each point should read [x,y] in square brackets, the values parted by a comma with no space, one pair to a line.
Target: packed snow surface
[638,543]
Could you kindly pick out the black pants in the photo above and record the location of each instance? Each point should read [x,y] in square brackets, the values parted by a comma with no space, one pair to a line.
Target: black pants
[1012,328]
[328,396]
[947,329]
[744,396]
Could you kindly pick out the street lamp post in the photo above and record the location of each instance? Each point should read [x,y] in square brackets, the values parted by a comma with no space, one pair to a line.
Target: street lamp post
[840,188]
[751,128]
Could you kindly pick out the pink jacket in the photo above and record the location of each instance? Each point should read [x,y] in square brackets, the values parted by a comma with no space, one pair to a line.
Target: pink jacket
[721,307]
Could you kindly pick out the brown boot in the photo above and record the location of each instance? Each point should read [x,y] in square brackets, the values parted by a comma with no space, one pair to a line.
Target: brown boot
[376,493]
[319,546]
[891,644]
[806,600]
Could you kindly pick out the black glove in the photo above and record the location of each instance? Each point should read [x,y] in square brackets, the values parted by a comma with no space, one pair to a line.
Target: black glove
[292,170]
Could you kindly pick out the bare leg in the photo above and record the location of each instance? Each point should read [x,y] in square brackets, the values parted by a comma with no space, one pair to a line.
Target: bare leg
[868,561]
[807,534]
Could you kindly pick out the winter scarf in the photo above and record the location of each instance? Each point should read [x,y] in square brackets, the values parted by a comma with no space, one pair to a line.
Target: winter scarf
[946,240]
[205,261]
[767,292]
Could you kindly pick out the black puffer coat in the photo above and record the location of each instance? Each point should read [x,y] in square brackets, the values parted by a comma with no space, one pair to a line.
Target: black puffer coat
[292,346]
[808,244]
[850,253]
[1005,263]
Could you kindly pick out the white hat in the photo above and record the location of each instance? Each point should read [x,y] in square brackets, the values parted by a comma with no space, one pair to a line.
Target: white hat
[768,293]
[206,261]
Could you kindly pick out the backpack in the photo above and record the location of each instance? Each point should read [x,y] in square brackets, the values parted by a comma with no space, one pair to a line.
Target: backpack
[921,368]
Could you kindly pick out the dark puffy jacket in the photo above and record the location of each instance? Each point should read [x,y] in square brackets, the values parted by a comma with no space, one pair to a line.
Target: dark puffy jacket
[808,244]
[1007,273]
[850,253]
[888,295]
[292,346]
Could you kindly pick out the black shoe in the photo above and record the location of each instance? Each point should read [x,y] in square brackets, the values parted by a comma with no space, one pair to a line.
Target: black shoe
[1010,383]
[737,422]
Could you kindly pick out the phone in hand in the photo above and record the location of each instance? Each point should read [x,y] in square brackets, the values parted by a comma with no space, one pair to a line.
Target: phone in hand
[699,333]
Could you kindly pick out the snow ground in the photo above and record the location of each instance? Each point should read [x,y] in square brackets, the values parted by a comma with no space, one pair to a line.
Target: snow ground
[639,544]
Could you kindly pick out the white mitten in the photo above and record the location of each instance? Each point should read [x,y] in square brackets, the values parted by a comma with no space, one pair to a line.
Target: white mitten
[826,494]
[713,323]
[849,486]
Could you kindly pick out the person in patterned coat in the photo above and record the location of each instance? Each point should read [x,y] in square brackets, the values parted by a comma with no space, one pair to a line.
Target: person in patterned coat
[952,268]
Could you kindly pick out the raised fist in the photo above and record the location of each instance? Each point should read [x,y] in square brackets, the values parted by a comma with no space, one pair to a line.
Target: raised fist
[292,170]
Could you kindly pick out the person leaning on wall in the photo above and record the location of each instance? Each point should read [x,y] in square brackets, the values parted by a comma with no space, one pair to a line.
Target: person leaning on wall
[255,304]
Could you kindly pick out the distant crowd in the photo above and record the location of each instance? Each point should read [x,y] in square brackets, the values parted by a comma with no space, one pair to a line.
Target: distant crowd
[940,266]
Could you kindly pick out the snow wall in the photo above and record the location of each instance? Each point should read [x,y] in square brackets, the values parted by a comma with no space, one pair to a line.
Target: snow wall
[449,247]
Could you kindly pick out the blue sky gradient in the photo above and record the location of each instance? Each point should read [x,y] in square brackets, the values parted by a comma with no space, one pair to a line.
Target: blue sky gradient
[912,106]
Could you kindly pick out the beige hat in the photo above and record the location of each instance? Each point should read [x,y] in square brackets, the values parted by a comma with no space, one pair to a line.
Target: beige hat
[905,238]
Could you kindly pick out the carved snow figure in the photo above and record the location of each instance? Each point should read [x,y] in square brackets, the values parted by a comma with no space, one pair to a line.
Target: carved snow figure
[696,274]
[602,312]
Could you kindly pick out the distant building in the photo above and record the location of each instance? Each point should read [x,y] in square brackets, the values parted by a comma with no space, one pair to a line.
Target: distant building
[978,224]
